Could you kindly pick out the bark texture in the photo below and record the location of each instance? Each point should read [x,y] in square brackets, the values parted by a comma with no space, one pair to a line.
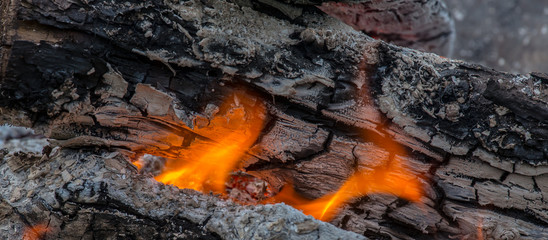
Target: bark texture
[123,77]
[99,196]
[421,25]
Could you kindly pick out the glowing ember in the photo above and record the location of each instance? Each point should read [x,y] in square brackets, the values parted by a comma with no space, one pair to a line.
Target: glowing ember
[390,178]
[205,165]
[35,232]
[138,164]
[247,189]
[479,232]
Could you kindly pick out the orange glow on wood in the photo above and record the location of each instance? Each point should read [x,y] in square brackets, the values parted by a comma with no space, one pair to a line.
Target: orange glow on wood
[138,164]
[35,232]
[206,165]
[390,178]
[479,232]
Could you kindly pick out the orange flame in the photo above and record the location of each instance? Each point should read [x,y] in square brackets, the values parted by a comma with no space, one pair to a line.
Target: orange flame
[391,178]
[35,232]
[138,164]
[479,230]
[206,165]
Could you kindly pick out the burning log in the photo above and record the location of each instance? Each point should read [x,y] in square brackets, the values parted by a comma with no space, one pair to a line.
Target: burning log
[99,194]
[383,141]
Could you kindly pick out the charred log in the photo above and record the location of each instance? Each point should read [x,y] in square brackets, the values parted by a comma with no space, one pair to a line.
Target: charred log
[144,78]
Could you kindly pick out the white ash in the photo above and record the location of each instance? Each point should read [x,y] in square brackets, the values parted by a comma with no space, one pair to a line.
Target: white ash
[46,186]
[152,164]
[8,132]
[23,139]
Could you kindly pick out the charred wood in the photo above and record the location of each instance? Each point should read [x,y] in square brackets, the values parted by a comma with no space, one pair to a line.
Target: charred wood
[123,77]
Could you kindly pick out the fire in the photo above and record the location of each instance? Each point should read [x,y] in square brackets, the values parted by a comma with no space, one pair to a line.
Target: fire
[479,231]
[35,232]
[225,139]
[138,164]
[390,178]
[207,163]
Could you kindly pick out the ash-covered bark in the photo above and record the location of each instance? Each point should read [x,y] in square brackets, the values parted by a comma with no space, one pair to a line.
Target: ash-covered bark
[91,195]
[465,109]
[127,76]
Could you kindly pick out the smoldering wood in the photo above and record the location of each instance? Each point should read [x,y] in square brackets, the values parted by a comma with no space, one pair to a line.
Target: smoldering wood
[99,195]
[103,77]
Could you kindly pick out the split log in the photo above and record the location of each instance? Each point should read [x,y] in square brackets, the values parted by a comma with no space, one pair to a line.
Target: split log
[135,78]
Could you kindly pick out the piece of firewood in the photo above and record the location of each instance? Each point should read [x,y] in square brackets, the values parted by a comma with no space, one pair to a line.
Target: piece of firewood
[127,76]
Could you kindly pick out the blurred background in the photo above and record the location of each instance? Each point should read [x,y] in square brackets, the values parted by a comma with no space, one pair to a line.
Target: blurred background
[507,35]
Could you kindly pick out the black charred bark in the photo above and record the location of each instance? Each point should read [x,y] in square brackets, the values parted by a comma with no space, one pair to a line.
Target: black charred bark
[76,71]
